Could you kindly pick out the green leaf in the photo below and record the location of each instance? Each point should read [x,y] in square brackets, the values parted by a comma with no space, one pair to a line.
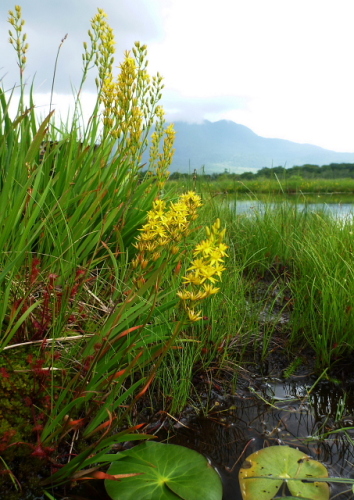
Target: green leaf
[38,138]
[167,472]
[264,472]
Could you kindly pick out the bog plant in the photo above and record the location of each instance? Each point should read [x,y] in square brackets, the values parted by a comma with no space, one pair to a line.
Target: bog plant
[88,249]
[264,473]
[276,471]
[163,471]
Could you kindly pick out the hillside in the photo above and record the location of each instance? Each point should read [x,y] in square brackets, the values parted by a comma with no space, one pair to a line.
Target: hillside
[226,144]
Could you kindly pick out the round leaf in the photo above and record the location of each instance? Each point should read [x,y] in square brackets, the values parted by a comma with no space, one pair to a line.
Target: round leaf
[166,472]
[263,473]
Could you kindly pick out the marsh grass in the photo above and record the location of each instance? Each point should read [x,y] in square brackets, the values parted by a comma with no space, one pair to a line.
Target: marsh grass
[264,185]
[311,255]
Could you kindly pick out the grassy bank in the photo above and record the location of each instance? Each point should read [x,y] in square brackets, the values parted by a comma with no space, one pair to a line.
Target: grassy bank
[265,185]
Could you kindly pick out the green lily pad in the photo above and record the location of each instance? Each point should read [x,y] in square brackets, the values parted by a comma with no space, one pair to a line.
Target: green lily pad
[166,472]
[264,472]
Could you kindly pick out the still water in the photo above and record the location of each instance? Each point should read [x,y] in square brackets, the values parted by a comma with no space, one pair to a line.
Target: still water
[269,412]
[340,206]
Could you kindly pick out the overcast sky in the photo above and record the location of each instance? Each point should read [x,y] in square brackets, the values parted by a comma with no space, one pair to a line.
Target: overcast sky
[284,68]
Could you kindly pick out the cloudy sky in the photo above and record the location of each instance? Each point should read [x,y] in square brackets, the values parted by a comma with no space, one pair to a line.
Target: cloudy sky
[284,68]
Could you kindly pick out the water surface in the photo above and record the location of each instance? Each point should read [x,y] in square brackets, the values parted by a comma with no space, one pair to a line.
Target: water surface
[341,206]
[275,412]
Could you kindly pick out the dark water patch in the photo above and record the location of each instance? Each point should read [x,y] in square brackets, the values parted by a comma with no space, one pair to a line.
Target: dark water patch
[264,410]
[274,412]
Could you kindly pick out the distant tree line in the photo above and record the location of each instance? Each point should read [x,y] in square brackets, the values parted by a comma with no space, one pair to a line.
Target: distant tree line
[308,171]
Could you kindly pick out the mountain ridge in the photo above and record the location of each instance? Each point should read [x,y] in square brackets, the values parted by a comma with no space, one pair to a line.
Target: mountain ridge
[229,145]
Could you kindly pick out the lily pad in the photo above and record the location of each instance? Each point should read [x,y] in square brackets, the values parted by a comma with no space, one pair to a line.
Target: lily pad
[166,472]
[264,472]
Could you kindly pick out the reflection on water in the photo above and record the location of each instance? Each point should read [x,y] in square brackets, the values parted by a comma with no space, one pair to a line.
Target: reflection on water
[271,413]
[338,206]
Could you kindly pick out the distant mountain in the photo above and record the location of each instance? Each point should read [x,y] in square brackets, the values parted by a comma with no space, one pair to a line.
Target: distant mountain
[226,144]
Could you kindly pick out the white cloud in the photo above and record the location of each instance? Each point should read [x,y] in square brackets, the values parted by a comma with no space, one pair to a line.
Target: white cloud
[282,67]
[290,61]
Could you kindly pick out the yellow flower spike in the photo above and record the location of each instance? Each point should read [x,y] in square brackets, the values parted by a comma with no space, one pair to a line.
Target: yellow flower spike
[166,226]
[206,268]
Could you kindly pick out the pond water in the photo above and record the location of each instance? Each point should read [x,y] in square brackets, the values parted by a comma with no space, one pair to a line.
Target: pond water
[340,206]
[270,411]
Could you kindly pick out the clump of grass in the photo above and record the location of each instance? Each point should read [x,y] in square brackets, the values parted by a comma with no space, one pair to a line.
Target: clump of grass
[312,252]
[82,289]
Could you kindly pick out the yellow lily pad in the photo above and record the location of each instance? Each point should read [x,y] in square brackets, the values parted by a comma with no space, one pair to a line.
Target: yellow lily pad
[265,471]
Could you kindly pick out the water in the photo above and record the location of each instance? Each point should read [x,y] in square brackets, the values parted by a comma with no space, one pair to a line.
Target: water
[339,206]
[273,412]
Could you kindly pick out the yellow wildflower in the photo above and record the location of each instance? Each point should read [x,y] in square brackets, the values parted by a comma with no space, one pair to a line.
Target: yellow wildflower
[204,247]
[208,267]
[218,269]
[193,279]
[210,289]
[215,256]
[194,316]
[183,294]
[198,265]
[207,273]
